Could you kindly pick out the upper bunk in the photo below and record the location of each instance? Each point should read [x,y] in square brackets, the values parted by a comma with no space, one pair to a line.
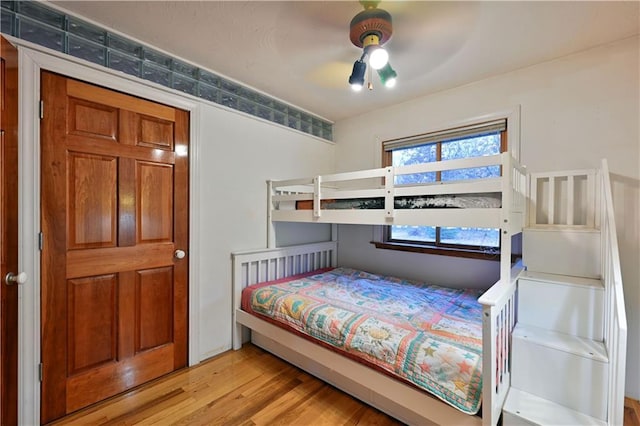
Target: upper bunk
[373,197]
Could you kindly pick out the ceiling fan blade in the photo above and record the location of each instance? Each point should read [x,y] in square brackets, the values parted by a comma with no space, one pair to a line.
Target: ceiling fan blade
[331,75]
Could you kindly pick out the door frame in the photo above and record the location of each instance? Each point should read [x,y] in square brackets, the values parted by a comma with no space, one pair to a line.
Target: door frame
[33,59]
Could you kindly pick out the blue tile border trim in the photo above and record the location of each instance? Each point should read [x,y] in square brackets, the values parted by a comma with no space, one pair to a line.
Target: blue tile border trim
[35,22]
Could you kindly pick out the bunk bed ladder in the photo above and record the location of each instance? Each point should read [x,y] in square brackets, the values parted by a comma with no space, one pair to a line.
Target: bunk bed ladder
[568,357]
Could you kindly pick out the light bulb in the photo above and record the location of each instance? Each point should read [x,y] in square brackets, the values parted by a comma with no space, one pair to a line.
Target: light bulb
[378,58]
[388,76]
[356,79]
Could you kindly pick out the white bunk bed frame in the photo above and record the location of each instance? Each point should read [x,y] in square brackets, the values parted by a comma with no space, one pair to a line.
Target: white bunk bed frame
[400,400]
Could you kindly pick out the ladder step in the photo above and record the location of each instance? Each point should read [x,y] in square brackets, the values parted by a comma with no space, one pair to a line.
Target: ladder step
[523,408]
[569,280]
[562,251]
[571,305]
[568,370]
[580,346]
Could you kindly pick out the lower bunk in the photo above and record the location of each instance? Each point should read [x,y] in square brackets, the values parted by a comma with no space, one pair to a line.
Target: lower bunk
[399,400]
[394,396]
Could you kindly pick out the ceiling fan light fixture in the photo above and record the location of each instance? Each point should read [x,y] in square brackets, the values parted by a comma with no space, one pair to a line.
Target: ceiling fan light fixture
[388,76]
[356,79]
[369,30]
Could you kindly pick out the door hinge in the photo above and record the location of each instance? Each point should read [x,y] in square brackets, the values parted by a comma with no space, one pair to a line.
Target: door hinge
[40,241]
[40,369]
[41,109]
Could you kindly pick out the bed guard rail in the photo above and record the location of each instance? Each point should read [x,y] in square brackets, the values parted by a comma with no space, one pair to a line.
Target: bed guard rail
[615,327]
[340,185]
[565,199]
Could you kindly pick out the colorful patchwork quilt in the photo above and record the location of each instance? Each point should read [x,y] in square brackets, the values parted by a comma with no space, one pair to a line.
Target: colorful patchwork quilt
[424,334]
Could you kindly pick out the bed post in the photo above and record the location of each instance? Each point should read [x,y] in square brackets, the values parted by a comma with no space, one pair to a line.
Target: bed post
[317,196]
[334,238]
[505,226]
[489,365]
[236,295]
[498,319]
[271,232]
[498,316]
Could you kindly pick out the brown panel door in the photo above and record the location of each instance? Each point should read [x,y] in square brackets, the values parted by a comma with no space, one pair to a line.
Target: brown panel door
[8,233]
[115,224]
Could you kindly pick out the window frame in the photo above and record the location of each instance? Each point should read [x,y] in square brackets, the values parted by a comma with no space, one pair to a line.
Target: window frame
[437,247]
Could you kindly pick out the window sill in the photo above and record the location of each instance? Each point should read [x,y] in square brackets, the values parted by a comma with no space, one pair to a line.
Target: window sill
[442,251]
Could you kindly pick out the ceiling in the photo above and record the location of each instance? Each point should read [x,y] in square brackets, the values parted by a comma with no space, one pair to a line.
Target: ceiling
[299,51]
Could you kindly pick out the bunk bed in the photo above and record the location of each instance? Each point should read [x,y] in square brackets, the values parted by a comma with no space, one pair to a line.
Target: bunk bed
[373,197]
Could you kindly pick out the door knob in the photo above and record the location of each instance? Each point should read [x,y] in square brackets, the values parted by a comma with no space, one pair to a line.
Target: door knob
[12,278]
[179,254]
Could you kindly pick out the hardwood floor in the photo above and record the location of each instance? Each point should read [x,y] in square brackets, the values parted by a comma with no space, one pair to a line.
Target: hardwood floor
[631,412]
[245,387]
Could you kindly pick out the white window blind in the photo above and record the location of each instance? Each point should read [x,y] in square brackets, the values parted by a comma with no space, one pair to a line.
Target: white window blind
[477,129]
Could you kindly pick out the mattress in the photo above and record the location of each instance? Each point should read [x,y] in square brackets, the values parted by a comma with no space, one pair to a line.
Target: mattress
[425,335]
[458,201]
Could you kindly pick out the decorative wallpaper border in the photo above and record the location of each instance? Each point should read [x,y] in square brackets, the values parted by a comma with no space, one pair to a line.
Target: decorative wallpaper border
[37,23]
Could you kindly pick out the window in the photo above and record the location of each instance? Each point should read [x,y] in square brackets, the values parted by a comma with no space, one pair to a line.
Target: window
[471,141]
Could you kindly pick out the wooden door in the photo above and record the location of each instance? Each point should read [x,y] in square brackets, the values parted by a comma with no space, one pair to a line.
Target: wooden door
[115,227]
[8,233]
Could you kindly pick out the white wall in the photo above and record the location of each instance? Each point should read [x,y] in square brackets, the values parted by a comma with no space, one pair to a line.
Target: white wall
[355,251]
[237,156]
[575,110]
[232,155]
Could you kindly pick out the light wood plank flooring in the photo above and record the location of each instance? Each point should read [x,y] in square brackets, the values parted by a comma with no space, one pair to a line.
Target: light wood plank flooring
[245,387]
[631,412]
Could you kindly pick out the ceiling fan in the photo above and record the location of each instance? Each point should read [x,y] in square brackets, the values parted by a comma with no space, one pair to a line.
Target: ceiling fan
[314,39]
[370,30]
